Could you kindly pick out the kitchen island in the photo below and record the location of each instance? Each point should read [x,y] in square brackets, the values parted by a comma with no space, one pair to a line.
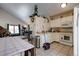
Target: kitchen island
[10,46]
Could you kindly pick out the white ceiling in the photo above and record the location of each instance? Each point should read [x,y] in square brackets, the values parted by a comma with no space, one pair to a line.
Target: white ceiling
[23,10]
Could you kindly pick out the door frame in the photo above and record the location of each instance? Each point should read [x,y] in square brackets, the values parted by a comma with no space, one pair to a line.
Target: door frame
[75,31]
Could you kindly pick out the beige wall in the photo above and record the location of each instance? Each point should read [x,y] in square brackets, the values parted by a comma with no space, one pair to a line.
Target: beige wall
[6,18]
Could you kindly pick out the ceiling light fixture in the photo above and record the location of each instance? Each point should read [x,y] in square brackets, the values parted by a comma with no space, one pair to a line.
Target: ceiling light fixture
[35,11]
[63,5]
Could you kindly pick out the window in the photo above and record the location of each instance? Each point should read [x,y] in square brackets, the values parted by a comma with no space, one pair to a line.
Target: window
[14,29]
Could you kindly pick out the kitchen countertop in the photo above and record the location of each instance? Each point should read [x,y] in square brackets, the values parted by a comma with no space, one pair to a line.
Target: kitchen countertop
[13,45]
[62,32]
[57,32]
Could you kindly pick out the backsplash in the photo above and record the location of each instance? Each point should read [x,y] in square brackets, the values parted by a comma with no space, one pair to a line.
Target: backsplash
[61,29]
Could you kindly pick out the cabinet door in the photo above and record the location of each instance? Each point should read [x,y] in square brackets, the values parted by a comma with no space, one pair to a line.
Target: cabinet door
[46,26]
[63,22]
[50,37]
[55,23]
[53,37]
[67,21]
[56,37]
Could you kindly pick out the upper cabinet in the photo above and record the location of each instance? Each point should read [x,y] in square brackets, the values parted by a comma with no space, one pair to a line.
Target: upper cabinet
[62,20]
[55,23]
[66,21]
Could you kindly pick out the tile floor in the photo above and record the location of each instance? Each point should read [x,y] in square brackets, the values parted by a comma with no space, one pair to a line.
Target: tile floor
[56,49]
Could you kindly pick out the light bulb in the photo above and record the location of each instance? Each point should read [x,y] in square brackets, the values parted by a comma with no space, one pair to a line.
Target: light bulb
[63,5]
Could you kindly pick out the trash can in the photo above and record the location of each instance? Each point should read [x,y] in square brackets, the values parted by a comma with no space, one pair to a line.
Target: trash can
[37,41]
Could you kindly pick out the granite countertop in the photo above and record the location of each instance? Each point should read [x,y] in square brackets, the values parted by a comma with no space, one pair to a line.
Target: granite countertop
[62,32]
[13,45]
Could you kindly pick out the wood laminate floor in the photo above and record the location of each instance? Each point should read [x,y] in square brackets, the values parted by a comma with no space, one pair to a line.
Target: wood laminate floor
[56,49]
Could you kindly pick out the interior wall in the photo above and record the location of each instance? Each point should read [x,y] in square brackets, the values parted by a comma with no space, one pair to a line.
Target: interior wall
[75,32]
[6,18]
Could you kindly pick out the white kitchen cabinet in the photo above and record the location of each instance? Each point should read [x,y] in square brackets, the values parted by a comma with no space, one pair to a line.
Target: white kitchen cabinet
[70,21]
[62,22]
[50,37]
[52,23]
[45,38]
[55,23]
[66,21]
[53,37]
[56,36]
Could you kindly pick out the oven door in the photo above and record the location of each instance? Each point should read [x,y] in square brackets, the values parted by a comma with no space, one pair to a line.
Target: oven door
[66,38]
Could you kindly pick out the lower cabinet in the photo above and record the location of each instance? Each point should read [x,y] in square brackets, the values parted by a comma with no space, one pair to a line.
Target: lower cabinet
[44,38]
[53,37]
[49,37]
[56,36]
